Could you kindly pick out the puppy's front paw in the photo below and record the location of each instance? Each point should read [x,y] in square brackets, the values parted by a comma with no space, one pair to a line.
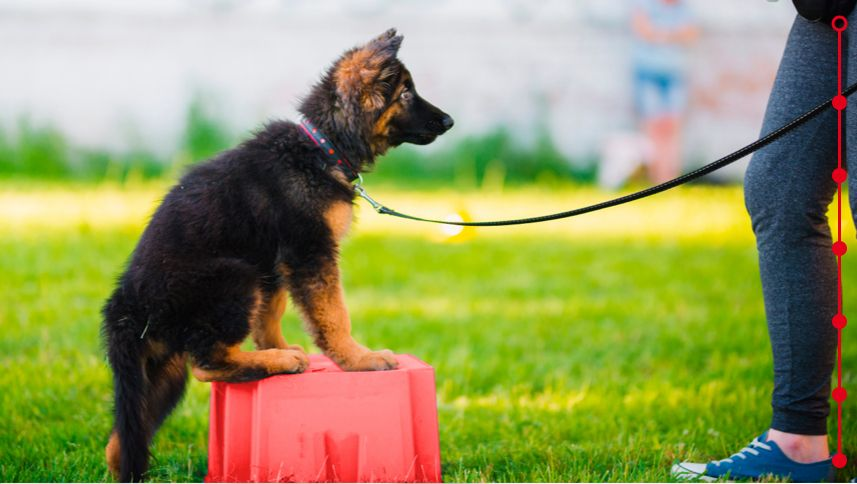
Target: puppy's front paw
[372,361]
[293,361]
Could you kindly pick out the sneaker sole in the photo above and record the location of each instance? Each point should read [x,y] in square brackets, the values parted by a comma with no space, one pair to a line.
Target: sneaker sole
[679,471]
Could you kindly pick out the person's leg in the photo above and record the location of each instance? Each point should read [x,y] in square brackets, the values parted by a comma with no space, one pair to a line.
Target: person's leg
[667,162]
[788,189]
[650,98]
[663,131]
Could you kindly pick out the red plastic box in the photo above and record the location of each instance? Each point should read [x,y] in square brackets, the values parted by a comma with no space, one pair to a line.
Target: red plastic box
[327,425]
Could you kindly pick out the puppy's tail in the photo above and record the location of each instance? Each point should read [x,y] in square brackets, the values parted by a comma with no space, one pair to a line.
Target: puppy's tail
[124,351]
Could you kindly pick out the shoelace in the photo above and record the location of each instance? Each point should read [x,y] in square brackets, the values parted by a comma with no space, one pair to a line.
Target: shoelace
[750,449]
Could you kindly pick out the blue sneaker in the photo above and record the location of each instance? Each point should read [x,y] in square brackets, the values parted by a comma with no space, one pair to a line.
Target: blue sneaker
[758,460]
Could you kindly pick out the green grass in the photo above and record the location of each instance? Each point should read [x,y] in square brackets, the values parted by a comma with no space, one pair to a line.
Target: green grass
[40,152]
[559,357]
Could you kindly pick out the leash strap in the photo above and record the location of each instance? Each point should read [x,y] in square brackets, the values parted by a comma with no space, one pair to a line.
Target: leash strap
[687,177]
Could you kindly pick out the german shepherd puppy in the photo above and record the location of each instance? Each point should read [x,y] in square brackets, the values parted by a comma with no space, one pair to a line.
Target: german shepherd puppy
[241,231]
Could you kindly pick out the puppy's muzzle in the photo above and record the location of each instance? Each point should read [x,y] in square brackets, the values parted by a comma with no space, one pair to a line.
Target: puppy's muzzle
[441,125]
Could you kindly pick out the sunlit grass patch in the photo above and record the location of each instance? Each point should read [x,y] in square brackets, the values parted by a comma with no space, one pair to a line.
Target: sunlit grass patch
[710,215]
[601,348]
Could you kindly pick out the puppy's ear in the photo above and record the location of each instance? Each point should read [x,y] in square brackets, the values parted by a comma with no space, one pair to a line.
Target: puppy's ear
[386,45]
[362,74]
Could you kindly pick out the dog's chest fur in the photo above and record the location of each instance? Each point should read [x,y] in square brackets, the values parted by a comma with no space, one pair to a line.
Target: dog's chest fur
[338,218]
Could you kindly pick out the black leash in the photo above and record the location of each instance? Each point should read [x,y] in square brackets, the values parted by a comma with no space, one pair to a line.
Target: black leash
[687,177]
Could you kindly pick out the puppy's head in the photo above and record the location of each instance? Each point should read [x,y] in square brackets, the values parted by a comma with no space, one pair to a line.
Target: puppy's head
[369,94]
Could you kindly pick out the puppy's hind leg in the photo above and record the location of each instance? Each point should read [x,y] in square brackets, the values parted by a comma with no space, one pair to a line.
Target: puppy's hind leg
[223,319]
[231,364]
[165,376]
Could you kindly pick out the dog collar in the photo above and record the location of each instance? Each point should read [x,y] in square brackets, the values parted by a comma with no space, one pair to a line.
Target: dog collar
[332,156]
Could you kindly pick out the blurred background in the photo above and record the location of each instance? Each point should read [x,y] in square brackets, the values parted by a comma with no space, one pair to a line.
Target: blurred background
[92,89]
[598,348]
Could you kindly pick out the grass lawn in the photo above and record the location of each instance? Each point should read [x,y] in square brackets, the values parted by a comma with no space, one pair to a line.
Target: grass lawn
[601,348]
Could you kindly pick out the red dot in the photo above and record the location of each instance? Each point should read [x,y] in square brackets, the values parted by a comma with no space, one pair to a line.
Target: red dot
[839,102]
[839,248]
[839,175]
[839,394]
[839,321]
[314,130]
[330,151]
[839,460]
[839,23]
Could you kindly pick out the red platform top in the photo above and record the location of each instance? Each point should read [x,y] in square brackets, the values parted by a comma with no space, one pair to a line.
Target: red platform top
[327,425]
[321,363]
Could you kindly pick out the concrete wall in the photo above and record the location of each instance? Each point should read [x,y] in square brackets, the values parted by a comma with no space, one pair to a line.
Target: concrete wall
[118,73]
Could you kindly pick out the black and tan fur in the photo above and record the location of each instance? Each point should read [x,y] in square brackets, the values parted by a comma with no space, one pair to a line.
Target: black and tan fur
[239,234]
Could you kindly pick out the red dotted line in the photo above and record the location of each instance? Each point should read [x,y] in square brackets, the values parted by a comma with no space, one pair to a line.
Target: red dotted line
[839,175]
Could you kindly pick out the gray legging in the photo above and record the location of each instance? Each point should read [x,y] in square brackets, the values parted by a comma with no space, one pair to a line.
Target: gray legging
[787,189]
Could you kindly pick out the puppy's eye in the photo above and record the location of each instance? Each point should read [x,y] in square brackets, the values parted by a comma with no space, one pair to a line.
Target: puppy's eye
[406,95]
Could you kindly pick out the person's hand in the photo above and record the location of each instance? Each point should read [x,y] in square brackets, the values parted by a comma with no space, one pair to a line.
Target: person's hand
[647,31]
[685,35]
[826,10]
[644,28]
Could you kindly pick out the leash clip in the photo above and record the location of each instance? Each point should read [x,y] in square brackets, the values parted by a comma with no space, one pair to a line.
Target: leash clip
[358,187]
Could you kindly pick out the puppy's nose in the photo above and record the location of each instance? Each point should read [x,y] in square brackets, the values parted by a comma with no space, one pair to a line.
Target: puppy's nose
[447,122]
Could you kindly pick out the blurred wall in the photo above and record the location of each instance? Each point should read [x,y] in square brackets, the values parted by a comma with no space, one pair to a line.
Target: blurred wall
[114,74]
